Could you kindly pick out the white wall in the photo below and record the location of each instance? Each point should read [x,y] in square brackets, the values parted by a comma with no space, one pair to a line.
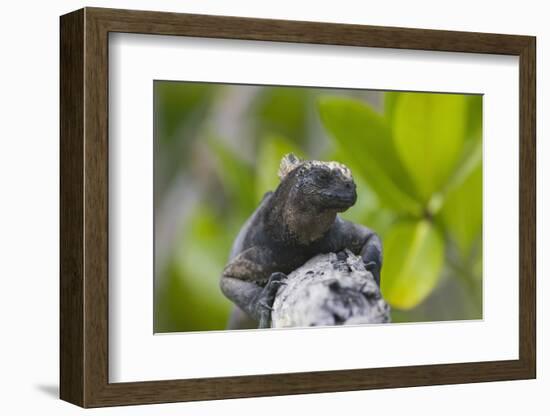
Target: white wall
[29,209]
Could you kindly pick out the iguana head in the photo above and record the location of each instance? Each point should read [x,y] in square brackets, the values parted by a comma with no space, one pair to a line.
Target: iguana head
[317,185]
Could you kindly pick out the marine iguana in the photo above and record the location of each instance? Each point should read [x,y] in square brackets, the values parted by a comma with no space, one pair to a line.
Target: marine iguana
[290,226]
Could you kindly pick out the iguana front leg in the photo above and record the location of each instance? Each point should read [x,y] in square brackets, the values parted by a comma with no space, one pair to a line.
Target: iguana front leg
[361,241]
[251,282]
[371,253]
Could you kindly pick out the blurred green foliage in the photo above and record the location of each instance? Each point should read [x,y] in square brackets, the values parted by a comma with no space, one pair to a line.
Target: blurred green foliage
[416,159]
[423,160]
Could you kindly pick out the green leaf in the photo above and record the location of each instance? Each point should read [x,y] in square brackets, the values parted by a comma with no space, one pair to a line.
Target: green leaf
[390,102]
[475,117]
[364,137]
[470,162]
[429,131]
[271,151]
[413,260]
[471,157]
[462,212]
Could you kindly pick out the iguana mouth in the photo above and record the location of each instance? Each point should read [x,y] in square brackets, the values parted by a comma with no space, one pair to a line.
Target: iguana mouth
[341,200]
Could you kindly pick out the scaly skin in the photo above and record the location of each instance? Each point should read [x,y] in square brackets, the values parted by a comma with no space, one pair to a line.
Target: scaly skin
[293,224]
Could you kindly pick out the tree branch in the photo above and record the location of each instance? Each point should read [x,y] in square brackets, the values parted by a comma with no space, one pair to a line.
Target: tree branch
[330,289]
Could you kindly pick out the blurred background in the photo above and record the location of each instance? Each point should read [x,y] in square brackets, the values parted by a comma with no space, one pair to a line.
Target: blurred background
[416,159]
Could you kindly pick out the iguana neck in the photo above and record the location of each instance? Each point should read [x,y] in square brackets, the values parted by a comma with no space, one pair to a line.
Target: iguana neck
[289,224]
[308,226]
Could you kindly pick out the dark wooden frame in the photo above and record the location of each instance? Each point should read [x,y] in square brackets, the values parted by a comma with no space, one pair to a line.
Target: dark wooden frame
[84,207]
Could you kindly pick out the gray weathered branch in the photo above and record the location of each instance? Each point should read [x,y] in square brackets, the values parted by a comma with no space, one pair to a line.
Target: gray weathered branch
[330,289]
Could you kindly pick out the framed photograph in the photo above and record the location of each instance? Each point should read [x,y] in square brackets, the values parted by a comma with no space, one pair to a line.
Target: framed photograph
[255,207]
